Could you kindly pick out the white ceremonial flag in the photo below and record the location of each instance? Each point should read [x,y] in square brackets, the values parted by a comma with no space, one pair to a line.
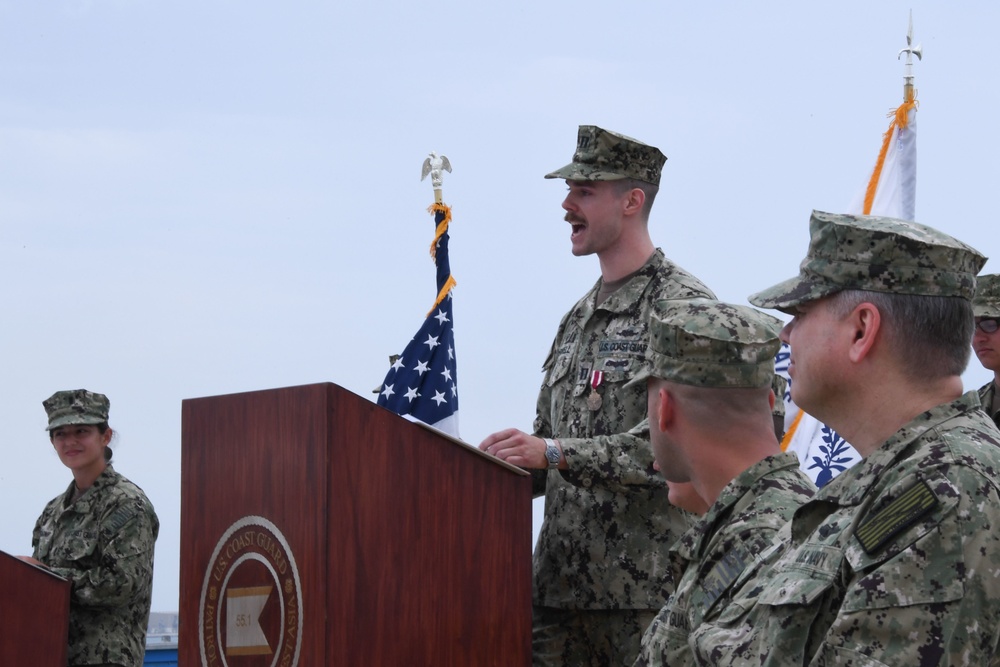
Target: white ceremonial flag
[892,188]
[889,191]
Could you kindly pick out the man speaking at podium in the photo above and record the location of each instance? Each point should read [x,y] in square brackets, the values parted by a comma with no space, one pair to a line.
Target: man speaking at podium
[599,572]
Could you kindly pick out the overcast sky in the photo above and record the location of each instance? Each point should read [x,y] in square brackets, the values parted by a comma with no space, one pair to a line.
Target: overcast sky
[200,198]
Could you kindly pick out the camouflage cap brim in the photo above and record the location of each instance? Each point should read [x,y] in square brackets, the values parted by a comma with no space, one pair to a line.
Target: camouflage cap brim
[584,172]
[790,293]
[69,419]
[986,310]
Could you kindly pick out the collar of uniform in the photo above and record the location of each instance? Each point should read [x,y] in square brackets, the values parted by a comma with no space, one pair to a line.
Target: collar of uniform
[987,395]
[106,478]
[851,486]
[625,296]
[692,544]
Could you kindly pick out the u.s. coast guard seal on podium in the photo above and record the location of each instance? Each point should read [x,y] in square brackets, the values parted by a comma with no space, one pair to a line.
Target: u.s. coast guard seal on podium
[250,613]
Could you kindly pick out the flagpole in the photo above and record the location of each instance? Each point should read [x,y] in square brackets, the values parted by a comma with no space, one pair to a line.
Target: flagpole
[433,165]
[422,382]
[890,191]
[908,92]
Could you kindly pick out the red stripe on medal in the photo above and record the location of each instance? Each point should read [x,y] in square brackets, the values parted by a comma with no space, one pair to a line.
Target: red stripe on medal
[594,400]
[596,378]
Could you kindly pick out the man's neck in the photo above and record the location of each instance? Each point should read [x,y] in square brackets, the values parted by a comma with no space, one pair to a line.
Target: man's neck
[729,461]
[881,412]
[625,260]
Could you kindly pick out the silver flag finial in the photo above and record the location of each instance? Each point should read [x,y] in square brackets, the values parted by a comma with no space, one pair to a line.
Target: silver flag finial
[910,51]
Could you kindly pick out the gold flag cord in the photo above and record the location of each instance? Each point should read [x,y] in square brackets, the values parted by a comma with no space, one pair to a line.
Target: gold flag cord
[442,228]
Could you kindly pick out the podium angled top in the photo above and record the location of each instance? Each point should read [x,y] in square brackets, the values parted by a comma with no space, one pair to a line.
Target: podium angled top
[23,566]
[462,443]
[331,386]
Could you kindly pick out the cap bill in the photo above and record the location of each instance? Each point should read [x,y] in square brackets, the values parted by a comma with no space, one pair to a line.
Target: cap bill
[576,171]
[786,295]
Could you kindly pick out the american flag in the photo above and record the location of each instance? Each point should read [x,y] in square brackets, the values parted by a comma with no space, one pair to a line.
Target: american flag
[422,383]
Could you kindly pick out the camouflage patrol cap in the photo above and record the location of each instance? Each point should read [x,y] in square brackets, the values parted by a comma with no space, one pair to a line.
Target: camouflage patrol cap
[76,406]
[602,155]
[875,254]
[707,343]
[986,302]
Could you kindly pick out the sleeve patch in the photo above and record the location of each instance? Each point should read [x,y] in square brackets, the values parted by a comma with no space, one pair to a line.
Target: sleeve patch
[728,569]
[119,518]
[878,530]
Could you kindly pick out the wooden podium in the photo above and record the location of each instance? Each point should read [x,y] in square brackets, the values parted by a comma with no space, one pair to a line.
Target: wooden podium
[320,529]
[34,614]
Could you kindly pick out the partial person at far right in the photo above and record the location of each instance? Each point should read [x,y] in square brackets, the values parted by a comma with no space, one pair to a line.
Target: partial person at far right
[986,340]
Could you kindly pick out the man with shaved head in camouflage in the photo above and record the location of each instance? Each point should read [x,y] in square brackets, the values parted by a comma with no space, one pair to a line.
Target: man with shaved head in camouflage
[895,561]
[600,566]
[711,369]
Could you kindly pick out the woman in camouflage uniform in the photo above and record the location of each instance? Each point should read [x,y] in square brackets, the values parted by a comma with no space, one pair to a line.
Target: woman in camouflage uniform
[99,534]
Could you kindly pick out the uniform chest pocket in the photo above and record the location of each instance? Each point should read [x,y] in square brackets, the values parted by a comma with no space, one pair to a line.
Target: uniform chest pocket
[803,576]
[77,546]
[606,380]
[931,570]
[617,376]
[733,612]
[616,369]
[559,369]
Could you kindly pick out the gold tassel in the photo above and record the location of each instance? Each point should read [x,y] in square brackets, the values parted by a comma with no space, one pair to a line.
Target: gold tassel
[900,118]
[442,226]
[438,233]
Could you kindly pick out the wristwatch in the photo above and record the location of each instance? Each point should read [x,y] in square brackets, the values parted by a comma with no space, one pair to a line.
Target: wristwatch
[552,452]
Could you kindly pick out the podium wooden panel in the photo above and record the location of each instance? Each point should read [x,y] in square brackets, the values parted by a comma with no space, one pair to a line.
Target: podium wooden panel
[320,529]
[34,615]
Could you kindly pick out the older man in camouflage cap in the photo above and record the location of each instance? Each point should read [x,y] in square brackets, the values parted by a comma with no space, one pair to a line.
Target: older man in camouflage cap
[986,340]
[599,571]
[711,366]
[895,561]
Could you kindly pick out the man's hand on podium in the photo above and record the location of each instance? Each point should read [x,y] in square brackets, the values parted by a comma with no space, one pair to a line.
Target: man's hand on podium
[519,449]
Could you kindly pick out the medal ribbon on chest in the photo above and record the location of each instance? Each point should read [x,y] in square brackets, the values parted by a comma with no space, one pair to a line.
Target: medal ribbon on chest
[594,400]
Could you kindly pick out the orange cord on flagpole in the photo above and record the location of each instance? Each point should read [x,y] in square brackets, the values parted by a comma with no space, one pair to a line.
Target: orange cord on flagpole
[442,226]
[900,119]
[443,293]
[438,233]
